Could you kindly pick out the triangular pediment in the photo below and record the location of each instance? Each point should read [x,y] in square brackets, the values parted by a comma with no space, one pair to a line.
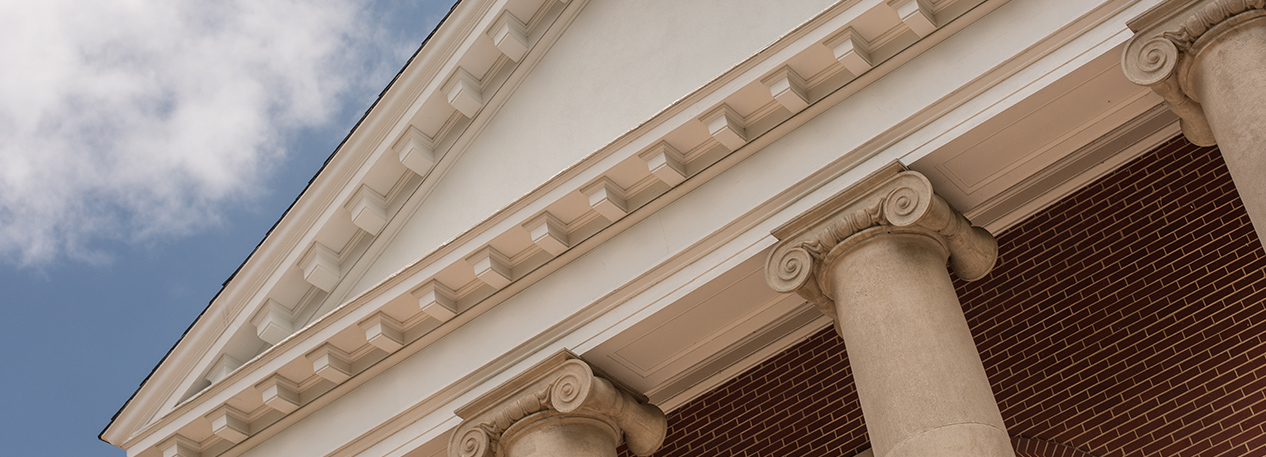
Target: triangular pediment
[520,129]
[293,276]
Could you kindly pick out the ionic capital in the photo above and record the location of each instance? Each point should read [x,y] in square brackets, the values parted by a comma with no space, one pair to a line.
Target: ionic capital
[1168,38]
[891,200]
[561,387]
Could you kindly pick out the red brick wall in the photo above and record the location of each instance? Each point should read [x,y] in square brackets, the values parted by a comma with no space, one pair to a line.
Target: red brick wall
[1125,320]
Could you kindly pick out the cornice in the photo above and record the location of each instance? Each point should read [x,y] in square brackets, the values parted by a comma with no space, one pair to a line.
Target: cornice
[764,66]
[665,282]
[294,234]
[1167,39]
[891,199]
[429,406]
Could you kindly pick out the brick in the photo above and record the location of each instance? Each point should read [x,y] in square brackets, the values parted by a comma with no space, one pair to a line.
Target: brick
[1126,319]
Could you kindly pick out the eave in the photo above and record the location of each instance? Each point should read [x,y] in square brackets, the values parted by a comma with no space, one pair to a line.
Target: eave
[719,124]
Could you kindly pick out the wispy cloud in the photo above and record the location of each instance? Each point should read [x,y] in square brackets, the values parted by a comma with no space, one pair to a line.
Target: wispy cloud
[131,120]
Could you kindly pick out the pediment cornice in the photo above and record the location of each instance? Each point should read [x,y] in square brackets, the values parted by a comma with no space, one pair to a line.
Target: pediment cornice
[341,185]
[807,70]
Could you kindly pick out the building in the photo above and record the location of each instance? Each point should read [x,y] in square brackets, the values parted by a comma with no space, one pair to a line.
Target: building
[566,219]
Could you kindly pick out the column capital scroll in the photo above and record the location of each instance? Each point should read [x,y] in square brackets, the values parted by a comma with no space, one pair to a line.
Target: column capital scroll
[889,201]
[561,387]
[1167,39]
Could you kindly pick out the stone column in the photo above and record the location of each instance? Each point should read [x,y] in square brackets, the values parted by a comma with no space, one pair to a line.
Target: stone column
[873,258]
[560,407]
[1207,59]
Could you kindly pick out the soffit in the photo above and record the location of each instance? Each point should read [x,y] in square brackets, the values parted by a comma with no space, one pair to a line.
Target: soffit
[1055,139]
[676,366]
[1135,299]
[704,127]
[1036,151]
[726,332]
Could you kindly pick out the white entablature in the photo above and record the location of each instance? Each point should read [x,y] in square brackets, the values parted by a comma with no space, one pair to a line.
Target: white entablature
[426,220]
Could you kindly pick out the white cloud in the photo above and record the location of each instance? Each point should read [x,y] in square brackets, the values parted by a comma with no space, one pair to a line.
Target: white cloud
[135,119]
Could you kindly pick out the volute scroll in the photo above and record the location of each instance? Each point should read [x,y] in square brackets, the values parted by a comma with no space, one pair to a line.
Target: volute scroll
[563,385]
[1166,40]
[893,198]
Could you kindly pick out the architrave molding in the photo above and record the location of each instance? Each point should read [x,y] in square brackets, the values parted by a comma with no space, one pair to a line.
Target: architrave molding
[422,408]
[457,248]
[400,421]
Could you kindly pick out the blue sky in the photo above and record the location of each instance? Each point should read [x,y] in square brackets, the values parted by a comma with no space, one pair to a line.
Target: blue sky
[146,147]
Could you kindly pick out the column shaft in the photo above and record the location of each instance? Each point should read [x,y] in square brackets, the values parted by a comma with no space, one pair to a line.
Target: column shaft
[1229,80]
[920,380]
[1207,59]
[874,259]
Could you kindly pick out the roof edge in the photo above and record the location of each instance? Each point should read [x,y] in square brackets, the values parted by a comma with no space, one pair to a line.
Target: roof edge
[355,127]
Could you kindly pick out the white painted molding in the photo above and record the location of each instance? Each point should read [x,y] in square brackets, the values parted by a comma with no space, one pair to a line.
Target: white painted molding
[548,233]
[852,51]
[412,273]
[274,322]
[279,393]
[915,15]
[607,199]
[726,126]
[229,423]
[509,35]
[437,301]
[788,88]
[222,368]
[331,363]
[163,399]
[492,267]
[666,163]
[416,151]
[464,93]
[321,267]
[369,210]
[383,332]
[179,446]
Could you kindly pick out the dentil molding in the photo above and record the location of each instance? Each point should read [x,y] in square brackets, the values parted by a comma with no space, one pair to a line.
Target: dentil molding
[1168,38]
[562,386]
[890,200]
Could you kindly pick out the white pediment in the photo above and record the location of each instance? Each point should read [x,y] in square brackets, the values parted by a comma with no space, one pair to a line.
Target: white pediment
[522,129]
[602,78]
[481,49]
[496,104]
